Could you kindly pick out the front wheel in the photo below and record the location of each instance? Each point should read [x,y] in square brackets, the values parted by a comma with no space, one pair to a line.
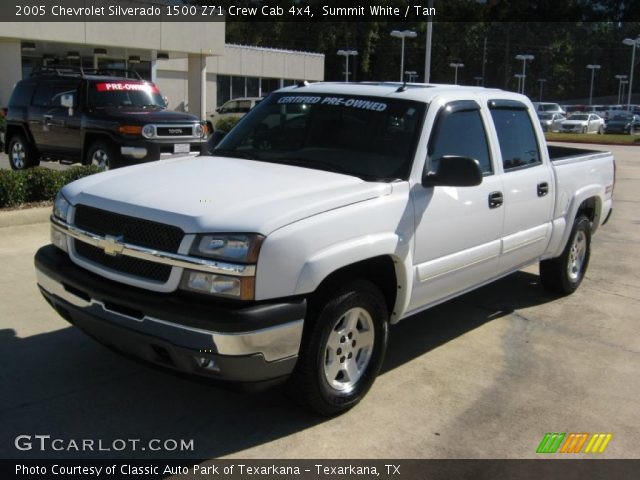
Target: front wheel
[564,274]
[342,349]
[101,154]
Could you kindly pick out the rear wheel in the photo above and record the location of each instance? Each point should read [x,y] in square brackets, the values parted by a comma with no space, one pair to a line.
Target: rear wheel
[21,154]
[600,130]
[101,154]
[564,274]
[342,349]
[584,129]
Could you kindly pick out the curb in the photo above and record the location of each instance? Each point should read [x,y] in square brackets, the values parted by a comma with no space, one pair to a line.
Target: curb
[28,216]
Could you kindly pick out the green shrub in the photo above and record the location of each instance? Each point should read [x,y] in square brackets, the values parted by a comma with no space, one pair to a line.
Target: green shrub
[37,184]
[226,124]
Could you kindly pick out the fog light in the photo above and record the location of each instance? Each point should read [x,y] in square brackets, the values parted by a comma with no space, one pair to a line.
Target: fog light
[207,363]
[59,239]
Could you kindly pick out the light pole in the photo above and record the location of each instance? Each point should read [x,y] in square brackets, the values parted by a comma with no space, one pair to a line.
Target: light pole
[593,69]
[520,77]
[346,54]
[541,82]
[413,75]
[624,88]
[478,80]
[402,35]
[524,57]
[620,78]
[633,43]
[456,65]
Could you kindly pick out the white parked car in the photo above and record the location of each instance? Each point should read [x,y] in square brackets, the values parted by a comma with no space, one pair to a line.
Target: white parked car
[236,108]
[548,107]
[325,216]
[583,123]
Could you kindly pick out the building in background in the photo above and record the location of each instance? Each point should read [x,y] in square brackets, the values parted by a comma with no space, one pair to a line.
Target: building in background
[190,62]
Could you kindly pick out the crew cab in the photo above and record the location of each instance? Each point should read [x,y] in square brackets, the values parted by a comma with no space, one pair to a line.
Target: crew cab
[95,117]
[329,213]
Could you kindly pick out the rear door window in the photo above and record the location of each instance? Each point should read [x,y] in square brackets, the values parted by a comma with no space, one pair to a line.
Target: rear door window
[21,95]
[516,136]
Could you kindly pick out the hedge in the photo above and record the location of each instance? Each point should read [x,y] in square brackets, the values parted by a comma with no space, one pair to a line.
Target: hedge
[37,184]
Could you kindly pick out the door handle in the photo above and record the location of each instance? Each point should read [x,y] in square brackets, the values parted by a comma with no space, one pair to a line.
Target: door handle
[495,199]
[543,189]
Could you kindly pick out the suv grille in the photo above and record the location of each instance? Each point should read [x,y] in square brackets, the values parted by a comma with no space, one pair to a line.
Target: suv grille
[136,231]
[181,131]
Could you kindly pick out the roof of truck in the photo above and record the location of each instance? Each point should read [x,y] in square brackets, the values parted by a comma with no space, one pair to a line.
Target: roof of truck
[409,91]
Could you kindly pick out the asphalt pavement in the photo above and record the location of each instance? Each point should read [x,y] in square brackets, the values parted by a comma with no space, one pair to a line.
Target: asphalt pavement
[483,376]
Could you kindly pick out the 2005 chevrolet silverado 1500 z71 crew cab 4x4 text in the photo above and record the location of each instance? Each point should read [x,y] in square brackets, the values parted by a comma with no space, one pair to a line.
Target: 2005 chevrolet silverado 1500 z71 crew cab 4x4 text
[328,213]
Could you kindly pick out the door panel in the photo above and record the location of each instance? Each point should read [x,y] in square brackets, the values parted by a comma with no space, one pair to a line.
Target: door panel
[457,238]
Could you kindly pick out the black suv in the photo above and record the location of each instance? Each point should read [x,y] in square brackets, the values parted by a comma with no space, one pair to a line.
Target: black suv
[108,118]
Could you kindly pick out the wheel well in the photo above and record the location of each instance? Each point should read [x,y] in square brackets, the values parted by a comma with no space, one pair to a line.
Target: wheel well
[11,130]
[89,138]
[378,270]
[589,208]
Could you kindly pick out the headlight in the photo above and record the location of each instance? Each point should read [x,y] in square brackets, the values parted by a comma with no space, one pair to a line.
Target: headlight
[241,288]
[149,131]
[199,130]
[242,248]
[61,207]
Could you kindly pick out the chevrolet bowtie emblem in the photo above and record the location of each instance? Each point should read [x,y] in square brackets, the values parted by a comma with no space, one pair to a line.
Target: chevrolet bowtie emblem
[112,245]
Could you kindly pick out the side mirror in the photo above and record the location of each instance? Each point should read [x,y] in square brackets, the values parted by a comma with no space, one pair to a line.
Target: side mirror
[454,171]
[67,100]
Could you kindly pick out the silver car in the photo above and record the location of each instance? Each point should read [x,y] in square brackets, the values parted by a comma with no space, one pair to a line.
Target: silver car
[550,122]
[583,123]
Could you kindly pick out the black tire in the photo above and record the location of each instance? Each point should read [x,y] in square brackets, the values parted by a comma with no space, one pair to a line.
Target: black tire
[584,129]
[102,154]
[555,273]
[309,384]
[600,130]
[21,154]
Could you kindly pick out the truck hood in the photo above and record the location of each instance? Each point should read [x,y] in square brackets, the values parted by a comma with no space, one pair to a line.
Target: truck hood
[142,115]
[220,194]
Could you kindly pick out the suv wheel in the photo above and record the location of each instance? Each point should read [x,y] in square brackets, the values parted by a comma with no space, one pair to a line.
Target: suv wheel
[101,154]
[342,349]
[21,155]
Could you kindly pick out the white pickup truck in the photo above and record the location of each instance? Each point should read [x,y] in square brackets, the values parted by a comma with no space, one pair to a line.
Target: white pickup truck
[330,212]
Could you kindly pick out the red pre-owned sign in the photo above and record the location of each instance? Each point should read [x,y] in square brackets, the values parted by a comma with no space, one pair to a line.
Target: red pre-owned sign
[126,86]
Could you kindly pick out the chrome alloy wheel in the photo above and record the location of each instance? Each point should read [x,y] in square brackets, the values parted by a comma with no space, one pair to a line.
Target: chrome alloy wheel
[348,349]
[100,159]
[18,155]
[577,255]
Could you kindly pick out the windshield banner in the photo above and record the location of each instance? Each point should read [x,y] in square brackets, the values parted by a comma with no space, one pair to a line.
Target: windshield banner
[126,87]
[336,101]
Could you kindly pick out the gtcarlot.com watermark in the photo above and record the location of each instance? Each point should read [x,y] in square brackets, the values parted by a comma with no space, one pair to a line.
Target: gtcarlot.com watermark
[47,443]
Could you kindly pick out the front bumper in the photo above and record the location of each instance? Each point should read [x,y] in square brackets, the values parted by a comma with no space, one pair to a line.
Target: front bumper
[231,341]
[143,150]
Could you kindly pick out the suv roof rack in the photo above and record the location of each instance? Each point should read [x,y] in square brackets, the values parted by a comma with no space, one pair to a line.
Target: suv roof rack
[73,71]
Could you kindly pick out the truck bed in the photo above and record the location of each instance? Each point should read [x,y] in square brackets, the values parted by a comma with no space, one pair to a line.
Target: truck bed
[560,154]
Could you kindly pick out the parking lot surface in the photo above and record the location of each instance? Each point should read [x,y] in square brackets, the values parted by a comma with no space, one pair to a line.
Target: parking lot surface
[482,376]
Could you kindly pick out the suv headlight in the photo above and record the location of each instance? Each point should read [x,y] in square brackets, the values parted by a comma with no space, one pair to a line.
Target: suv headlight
[199,130]
[61,207]
[226,247]
[149,131]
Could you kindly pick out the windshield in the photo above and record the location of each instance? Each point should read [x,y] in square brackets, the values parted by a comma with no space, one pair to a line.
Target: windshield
[579,117]
[371,138]
[547,107]
[125,94]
